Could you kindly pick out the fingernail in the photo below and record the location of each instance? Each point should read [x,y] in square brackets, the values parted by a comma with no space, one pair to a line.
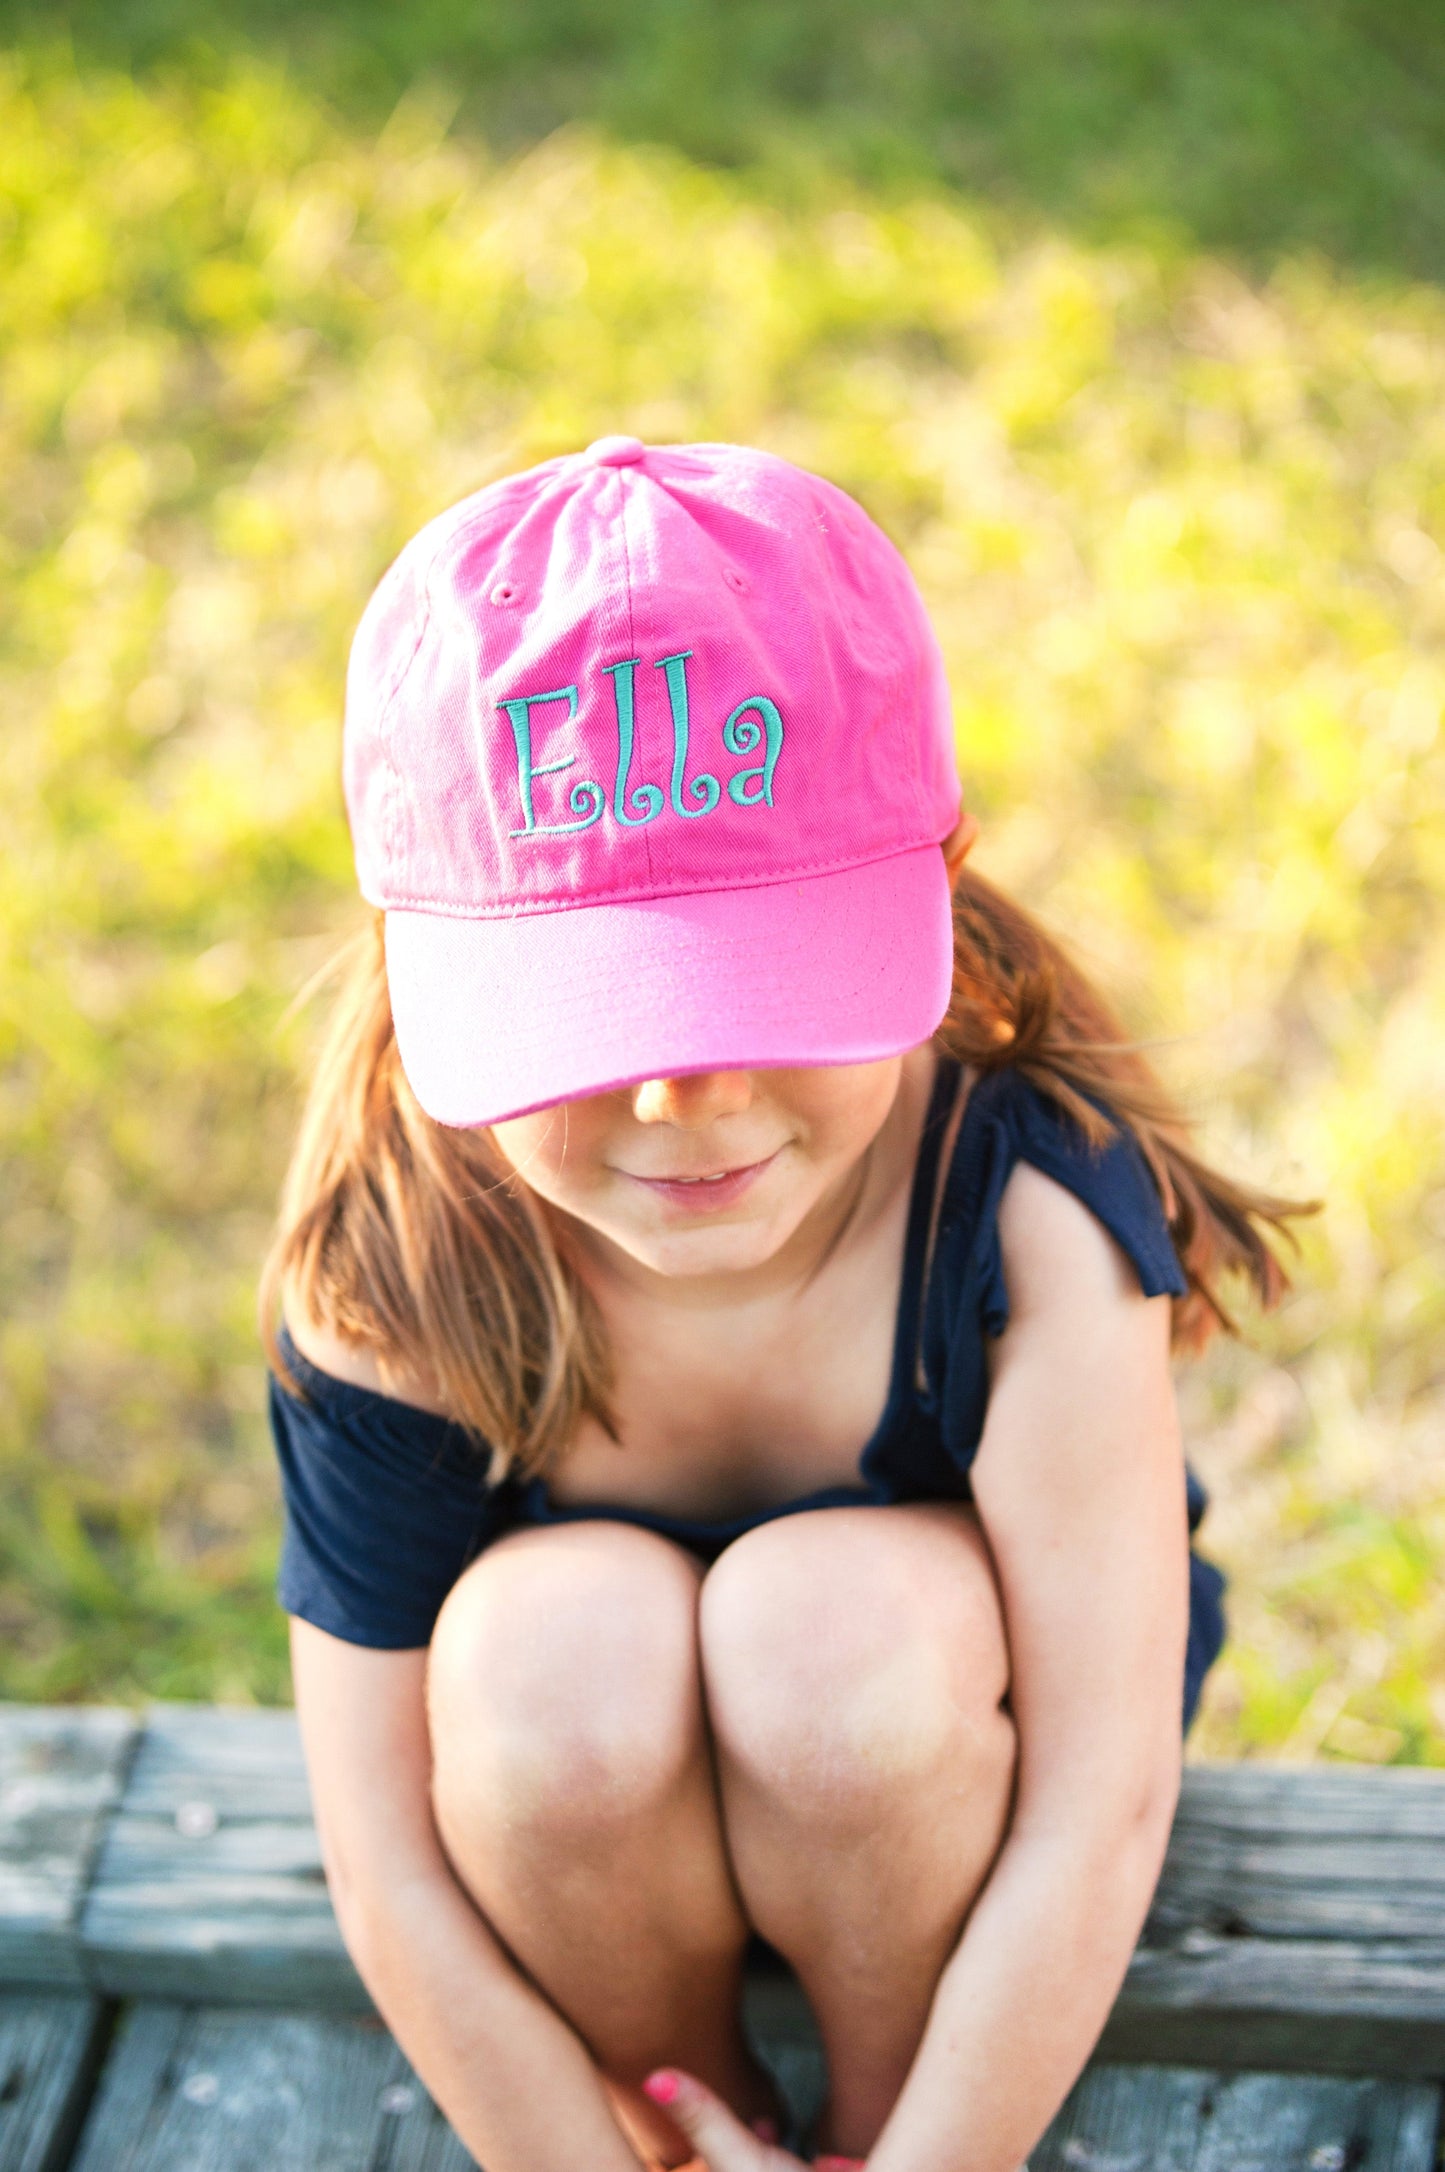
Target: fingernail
[766,2130]
[837,2164]
[661,2087]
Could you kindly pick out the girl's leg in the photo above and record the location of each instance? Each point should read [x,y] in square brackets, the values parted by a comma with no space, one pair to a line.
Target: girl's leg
[855,1664]
[574,1793]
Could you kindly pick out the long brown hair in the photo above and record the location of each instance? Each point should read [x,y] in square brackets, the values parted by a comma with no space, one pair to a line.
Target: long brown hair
[419,1242]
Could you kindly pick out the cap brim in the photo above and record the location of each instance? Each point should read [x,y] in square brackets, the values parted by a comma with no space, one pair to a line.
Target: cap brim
[495,1018]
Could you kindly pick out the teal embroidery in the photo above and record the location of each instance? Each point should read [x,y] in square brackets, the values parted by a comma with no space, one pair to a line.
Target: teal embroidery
[703,786]
[740,736]
[646,798]
[756,722]
[585,798]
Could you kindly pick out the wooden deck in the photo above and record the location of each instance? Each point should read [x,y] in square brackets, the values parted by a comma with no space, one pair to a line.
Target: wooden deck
[174,1996]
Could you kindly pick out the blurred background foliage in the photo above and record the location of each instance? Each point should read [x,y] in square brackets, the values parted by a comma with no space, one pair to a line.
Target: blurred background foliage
[1125,321]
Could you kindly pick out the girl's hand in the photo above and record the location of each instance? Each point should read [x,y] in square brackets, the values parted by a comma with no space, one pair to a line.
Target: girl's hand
[723,2143]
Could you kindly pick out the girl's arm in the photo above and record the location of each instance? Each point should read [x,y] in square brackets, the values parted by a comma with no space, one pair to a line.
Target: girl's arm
[1080,1487]
[512,2077]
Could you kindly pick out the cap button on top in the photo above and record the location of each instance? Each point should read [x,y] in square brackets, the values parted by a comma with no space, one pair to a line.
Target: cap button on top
[615,452]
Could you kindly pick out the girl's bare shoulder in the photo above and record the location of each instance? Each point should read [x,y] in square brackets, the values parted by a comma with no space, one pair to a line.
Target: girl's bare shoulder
[357,1363]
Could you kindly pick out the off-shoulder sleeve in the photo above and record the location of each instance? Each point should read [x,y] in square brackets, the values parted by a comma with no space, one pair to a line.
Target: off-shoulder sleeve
[1008,1120]
[1113,1181]
[385,1506]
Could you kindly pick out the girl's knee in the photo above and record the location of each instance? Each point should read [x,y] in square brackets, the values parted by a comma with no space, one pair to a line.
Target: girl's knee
[848,1653]
[562,1680]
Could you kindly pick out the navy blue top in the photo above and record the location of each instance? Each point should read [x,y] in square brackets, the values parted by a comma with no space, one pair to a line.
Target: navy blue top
[386,1503]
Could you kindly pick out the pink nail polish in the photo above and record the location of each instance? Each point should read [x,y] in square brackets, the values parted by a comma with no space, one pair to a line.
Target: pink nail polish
[661,2087]
[766,2130]
[837,2164]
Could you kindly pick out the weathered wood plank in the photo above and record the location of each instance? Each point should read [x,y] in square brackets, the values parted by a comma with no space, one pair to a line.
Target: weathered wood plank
[1304,2006]
[61,1773]
[50,2044]
[1170,2119]
[1402,1801]
[1295,2007]
[1276,1852]
[209,1884]
[197,2090]
[1299,1924]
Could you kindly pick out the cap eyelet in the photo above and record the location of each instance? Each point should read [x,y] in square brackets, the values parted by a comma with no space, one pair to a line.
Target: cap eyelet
[735,580]
[505,592]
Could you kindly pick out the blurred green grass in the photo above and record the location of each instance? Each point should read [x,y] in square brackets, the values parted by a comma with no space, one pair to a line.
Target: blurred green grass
[1306,124]
[1129,332]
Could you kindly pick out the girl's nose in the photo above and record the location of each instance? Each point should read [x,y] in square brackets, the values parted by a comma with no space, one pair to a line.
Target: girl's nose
[692,1102]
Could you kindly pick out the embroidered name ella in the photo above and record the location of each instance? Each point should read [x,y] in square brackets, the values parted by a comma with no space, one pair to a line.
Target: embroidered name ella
[753,723]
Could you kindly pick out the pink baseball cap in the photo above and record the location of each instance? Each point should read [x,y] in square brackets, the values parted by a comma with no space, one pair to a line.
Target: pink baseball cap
[648,757]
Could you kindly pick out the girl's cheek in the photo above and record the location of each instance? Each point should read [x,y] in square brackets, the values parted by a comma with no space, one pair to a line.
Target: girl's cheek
[550,1151]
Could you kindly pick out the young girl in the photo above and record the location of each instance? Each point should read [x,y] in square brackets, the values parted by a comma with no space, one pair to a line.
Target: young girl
[729,1271]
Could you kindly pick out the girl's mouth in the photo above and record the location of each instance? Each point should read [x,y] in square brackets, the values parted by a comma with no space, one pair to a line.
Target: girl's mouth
[707,1194]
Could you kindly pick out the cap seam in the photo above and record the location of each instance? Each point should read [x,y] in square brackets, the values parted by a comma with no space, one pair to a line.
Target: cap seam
[572,902]
[395,798]
[447,550]
[452,543]
[620,473]
[928,662]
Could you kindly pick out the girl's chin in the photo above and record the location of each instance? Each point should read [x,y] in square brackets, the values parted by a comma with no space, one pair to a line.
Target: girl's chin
[698,1249]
